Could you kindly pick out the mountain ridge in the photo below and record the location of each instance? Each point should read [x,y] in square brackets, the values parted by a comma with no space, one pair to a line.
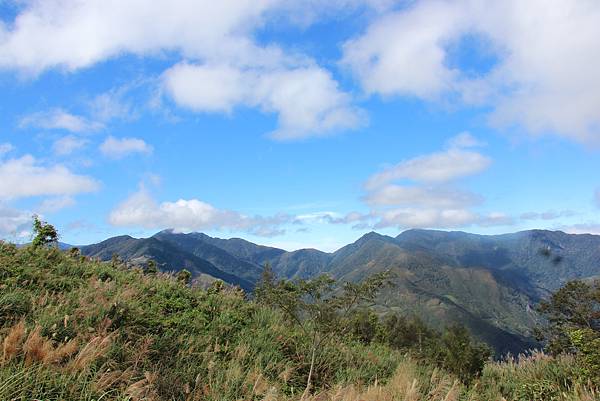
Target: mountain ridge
[489,283]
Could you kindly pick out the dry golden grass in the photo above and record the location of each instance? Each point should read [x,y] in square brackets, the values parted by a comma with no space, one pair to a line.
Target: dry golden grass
[36,348]
[143,390]
[403,386]
[13,342]
[62,352]
[95,348]
[111,379]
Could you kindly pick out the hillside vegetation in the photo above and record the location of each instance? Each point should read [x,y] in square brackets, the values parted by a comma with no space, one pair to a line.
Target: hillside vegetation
[73,328]
[490,284]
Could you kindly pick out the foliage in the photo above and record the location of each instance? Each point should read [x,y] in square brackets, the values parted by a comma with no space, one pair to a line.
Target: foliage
[458,353]
[317,307]
[44,234]
[574,306]
[573,315]
[151,267]
[184,276]
[453,349]
[587,343]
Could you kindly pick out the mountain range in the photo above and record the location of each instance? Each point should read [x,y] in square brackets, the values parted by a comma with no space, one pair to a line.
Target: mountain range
[489,283]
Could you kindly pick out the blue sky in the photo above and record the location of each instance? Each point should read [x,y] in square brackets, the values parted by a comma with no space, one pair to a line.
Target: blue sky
[298,124]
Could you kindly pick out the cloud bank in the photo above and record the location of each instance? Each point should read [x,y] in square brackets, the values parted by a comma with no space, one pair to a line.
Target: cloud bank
[25,177]
[546,56]
[141,210]
[423,192]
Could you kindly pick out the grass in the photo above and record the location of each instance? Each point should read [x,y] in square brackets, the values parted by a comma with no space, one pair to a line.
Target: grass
[72,328]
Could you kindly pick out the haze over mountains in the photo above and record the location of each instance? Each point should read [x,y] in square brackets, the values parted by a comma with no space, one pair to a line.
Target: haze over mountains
[491,284]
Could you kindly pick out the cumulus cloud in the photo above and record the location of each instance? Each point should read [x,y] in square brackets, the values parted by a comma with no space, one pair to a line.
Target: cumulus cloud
[141,210]
[423,192]
[225,67]
[25,177]
[428,196]
[544,77]
[59,119]
[13,223]
[68,144]
[402,53]
[305,98]
[117,148]
[453,163]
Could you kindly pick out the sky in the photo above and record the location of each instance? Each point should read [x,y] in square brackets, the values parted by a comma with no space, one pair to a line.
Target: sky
[298,124]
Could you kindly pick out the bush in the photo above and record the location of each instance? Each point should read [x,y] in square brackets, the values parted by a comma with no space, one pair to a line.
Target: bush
[13,306]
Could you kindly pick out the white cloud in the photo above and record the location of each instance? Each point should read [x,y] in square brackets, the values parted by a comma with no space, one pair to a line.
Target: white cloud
[436,197]
[401,53]
[464,140]
[117,148]
[25,176]
[5,148]
[426,218]
[59,119]
[67,145]
[141,210]
[73,35]
[439,167]
[306,98]
[432,199]
[13,222]
[547,57]
[205,88]
[418,217]
[52,205]
[114,104]
[225,68]
[597,197]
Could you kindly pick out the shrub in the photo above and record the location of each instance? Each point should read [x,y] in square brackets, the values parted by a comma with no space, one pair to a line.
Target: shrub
[13,306]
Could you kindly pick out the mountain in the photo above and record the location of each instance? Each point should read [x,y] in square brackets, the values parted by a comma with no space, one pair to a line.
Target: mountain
[427,286]
[240,248]
[489,283]
[167,256]
[201,246]
[545,259]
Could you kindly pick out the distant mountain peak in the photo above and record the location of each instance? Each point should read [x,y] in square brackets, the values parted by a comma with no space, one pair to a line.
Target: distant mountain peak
[372,236]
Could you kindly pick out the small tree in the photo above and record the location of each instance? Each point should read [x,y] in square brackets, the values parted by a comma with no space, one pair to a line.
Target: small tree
[74,252]
[573,316]
[151,267]
[575,306]
[364,325]
[404,333]
[184,276]
[460,354]
[115,260]
[317,307]
[44,234]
